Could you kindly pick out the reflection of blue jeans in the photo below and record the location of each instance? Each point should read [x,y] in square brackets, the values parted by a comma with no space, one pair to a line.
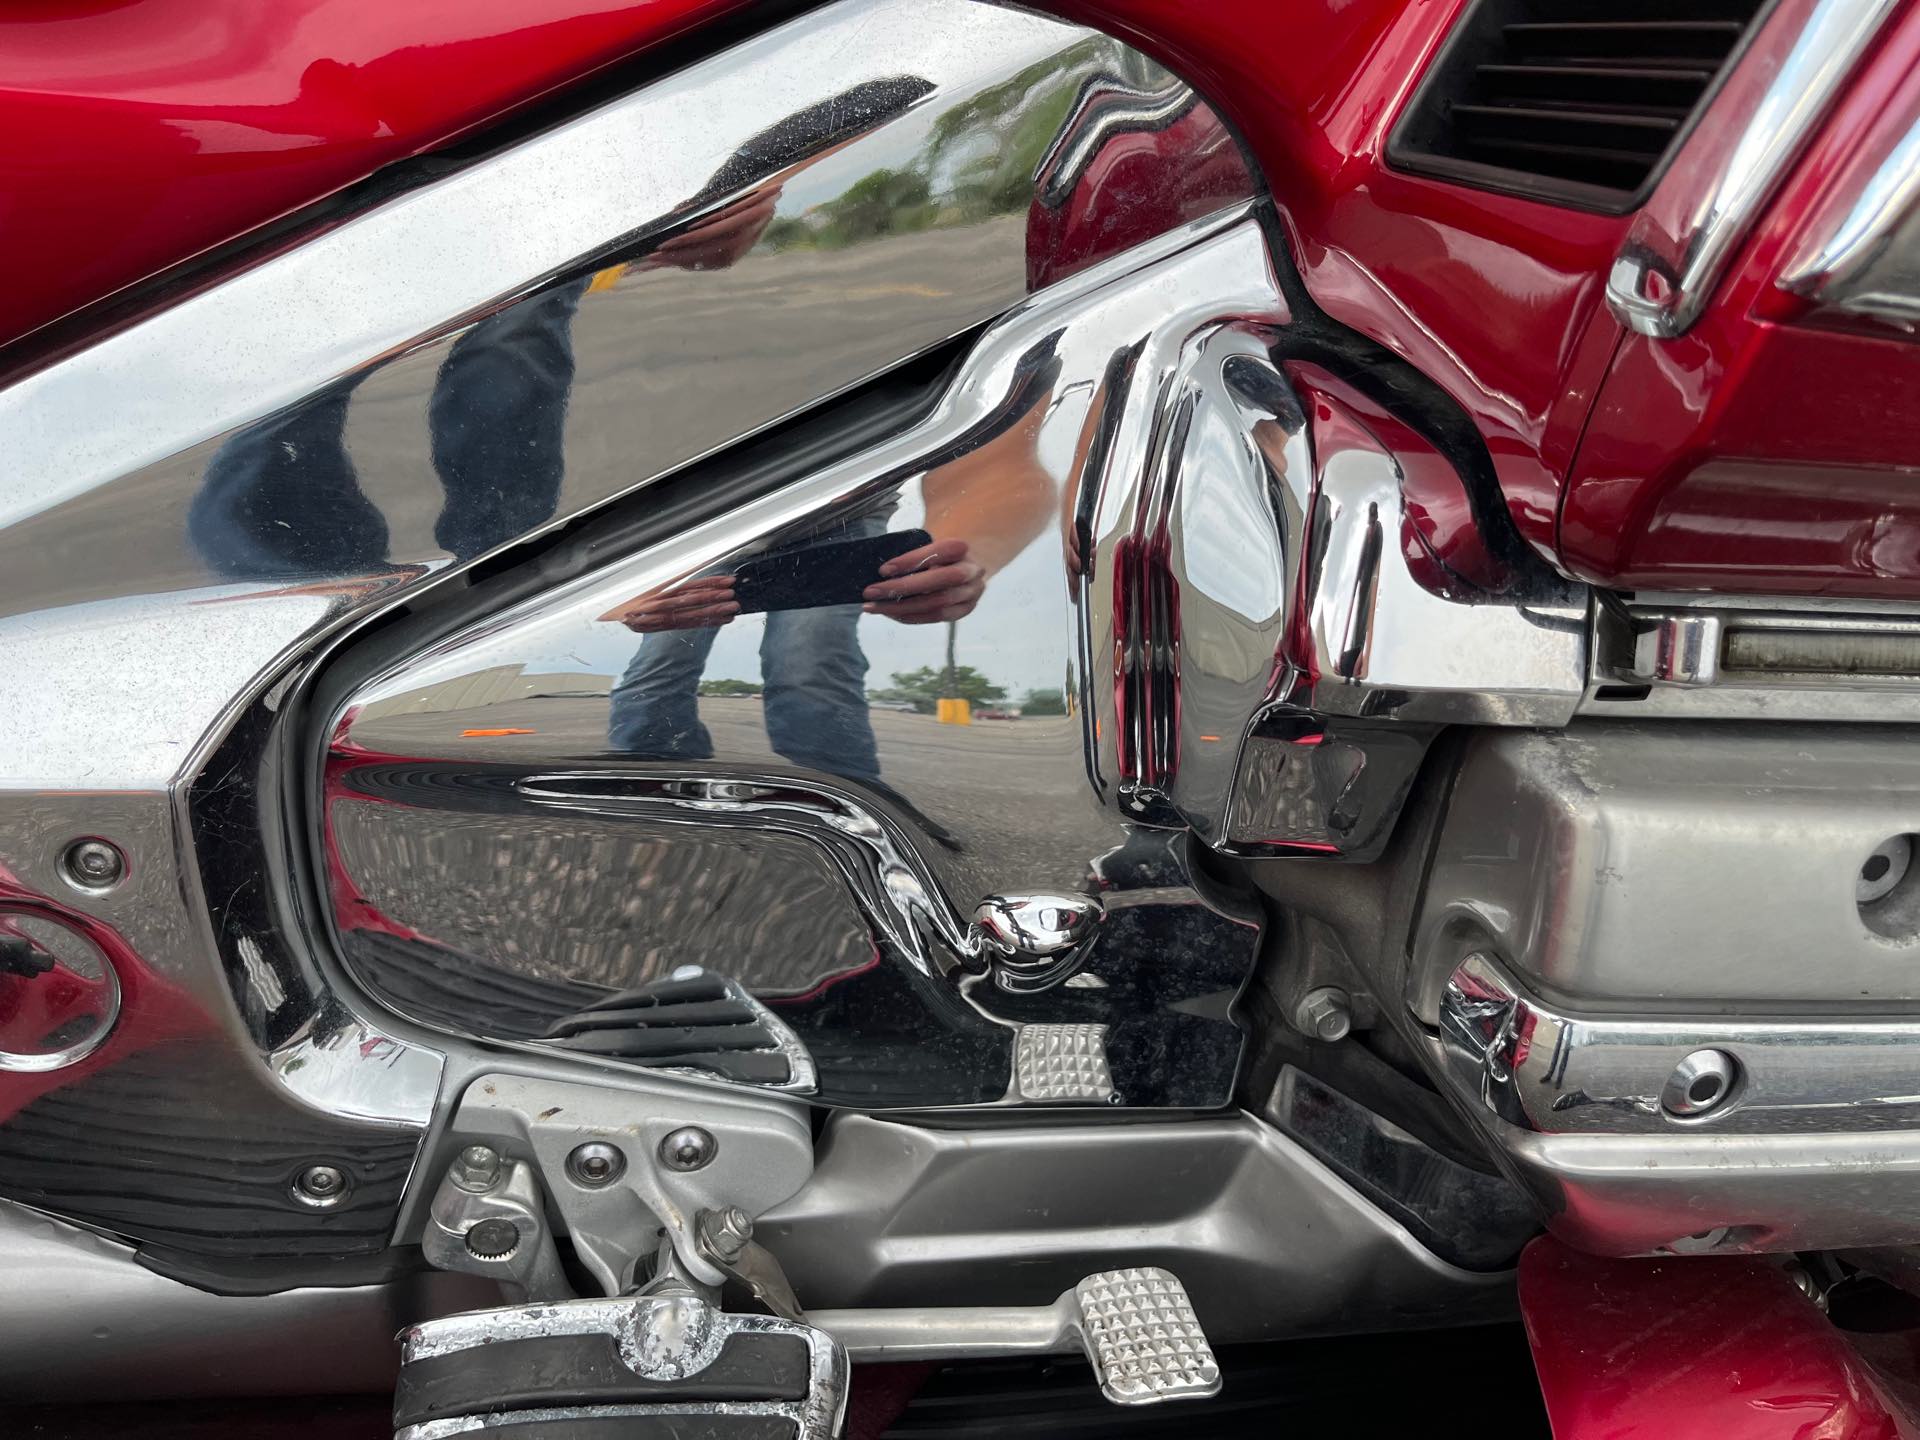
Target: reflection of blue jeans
[814,704]
[281,497]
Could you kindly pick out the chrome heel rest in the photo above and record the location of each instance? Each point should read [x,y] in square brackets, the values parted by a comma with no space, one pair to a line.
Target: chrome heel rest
[659,1367]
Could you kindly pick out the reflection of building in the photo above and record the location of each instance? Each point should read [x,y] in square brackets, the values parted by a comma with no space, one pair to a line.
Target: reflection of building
[493,686]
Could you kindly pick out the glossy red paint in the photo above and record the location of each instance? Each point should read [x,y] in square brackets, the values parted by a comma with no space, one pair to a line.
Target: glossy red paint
[1692,1349]
[1496,298]
[141,132]
[1761,452]
[1142,183]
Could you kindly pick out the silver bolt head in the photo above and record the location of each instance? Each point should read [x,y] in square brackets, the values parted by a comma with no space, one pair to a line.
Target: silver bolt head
[475,1168]
[688,1148]
[1325,1014]
[1700,1083]
[493,1239]
[93,865]
[595,1164]
[321,1184]
[727,1231]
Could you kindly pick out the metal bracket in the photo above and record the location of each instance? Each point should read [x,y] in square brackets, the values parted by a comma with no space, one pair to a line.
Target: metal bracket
[681,1149]
[487,1219]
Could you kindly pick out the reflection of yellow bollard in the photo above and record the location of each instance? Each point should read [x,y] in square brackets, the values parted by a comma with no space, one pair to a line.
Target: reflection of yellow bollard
[955,712]
[606,279]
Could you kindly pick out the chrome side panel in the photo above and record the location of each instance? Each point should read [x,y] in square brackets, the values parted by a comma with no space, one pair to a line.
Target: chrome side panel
[1096,450]
[199,502]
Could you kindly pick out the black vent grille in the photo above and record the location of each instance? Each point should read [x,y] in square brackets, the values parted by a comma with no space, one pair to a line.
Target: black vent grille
[1573,101]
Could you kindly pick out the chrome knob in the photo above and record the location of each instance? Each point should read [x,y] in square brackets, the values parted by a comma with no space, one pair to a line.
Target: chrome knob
[1032,942]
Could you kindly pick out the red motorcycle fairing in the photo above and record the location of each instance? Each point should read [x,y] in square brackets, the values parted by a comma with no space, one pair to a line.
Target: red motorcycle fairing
[146,133]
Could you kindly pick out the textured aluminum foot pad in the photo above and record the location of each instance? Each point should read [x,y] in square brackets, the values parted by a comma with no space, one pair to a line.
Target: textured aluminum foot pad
[1062,1062]
[1144,1339]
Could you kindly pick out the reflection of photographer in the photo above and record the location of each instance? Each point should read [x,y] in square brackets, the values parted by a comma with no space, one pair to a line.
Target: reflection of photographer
[982,508]
[811,663]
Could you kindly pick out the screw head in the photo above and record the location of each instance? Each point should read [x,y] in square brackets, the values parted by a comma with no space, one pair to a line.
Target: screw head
[320,1185]
[596,1164]
[475,1168]
[93,866]
[1325,1014]
[493,1239]
[688,1148]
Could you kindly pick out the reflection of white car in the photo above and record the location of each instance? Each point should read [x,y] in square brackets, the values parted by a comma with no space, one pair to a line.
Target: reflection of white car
[996,714]
[906,705]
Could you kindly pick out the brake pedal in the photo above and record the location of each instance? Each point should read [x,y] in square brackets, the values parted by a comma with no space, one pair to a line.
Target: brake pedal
[639,1367]
[1143,1338]
[1137,1326]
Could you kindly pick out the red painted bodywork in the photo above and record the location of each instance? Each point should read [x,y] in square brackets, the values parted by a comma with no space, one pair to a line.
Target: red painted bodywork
[1760,452]
[1694,1349]
[140,134]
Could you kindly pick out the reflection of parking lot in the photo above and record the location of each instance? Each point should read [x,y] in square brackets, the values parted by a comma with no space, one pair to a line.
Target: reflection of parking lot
[1013,792]
[605,901]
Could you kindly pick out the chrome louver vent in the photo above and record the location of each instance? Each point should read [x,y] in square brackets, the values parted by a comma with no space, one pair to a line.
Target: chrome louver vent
[1572,101]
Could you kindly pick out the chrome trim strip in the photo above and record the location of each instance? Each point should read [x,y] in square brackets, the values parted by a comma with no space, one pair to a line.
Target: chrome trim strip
[1777,92]
[1683,656]
[1816,1149]
[1886,203]
[1553,1071]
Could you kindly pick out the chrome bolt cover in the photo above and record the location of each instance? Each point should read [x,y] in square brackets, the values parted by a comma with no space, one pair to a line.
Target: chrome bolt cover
[475,1168]
[93,866]
[493,1239]
[1700,1084]
[688,1148]
[320,1185]
[595,1164]
[1324,1014]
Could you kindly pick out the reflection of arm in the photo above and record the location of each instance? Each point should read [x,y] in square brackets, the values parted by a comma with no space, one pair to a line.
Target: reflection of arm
[996,498]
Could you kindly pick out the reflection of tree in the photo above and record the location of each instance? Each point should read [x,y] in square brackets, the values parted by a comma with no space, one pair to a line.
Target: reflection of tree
[1044,702]
[978,161]
[887,202]
[926,687]
[731,687]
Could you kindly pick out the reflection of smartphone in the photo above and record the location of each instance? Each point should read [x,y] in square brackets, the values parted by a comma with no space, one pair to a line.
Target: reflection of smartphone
[831,574]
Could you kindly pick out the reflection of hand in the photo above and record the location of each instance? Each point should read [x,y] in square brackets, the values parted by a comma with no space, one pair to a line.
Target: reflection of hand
[715,241]
[700,604]
[927,585]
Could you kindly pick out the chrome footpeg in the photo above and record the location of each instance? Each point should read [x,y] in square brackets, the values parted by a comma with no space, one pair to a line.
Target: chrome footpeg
[1137,1327]
[661,1367]
[1145,1342]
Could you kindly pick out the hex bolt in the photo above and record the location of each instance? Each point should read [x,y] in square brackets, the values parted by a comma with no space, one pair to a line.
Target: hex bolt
[493,1239]
[1324,1013]
[475,1168]
[321,1185]
[1700,1084]
[688,1148]
[727,1232]
[93,865]
[595,1164]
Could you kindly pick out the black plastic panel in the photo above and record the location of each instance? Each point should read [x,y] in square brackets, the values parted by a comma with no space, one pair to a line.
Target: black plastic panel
[1577,102]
